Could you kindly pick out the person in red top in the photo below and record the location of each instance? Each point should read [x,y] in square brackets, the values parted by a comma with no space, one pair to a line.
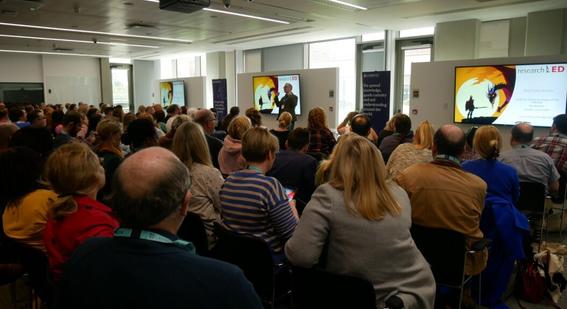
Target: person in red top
[75,174]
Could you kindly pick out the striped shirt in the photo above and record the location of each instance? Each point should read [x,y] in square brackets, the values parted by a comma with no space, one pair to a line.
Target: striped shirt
[257,205]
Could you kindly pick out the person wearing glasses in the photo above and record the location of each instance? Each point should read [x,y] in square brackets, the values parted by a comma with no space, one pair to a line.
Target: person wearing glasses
[208,121]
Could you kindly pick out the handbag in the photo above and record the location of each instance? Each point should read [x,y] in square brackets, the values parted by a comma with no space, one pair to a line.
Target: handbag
[530,284]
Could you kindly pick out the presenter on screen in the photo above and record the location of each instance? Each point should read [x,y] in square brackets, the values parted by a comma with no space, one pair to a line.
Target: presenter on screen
[287,104]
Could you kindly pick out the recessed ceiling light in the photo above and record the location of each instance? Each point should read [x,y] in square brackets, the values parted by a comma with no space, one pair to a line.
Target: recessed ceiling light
[96,32]
[349,4]
[74,41]
[49,53]
[246,15]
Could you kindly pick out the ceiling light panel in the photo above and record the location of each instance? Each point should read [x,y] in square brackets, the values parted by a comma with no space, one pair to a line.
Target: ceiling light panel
[74,41]
[246,15]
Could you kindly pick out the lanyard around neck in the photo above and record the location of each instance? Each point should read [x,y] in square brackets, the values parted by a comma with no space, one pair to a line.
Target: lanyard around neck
[443,157]
[155,237]
[255,168]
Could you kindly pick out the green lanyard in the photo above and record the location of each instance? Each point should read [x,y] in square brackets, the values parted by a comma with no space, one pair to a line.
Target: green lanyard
[255,168]
[443,157]
[155,237]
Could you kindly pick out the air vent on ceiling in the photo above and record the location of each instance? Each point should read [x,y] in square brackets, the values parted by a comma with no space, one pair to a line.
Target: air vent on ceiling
[62,49]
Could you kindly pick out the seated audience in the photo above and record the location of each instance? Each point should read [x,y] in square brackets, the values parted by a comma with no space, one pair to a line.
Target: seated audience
[75,174]
[361,125]
[56,122]
[110,153]
[166,140]
[36,136]
[345,216]
[255,117]
[207,120]
[23,199]
[388,130]
[118,113]
[140,134]
[321,138]
[407,154]
[501,221]
[255,204]
[190,146]
[444,196]
[402,135]
[294,169]
[18,117]
[71,125]
[282,131]
[172,111]
[555,144]
[151,118]
[344,127]
[145,265]
[160,119]
[469,153]
[532,165]
[230,155]
[233,113]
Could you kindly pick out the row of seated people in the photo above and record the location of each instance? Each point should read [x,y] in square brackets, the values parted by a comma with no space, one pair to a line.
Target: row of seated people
[252,203]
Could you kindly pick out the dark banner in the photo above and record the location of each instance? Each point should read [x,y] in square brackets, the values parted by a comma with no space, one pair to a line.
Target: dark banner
[376,97]
[219,98]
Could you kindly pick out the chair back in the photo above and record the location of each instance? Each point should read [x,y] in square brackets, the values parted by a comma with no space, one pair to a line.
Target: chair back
[193,229]
[319,289]
[444,250]
[35,263]
[251,254]
[532,197]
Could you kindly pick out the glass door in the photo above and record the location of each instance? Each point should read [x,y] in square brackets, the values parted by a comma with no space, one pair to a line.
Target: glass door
[122,86]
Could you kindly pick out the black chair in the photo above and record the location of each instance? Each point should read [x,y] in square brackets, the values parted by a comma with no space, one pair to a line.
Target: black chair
[193,229]
[253,255]
[319,289]
[532,203]
[446,252]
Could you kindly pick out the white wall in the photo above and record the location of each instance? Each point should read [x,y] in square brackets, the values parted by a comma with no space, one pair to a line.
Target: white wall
[315,87]
[71,79]
[144,77]
[435,82]
[23,68]
[195,91]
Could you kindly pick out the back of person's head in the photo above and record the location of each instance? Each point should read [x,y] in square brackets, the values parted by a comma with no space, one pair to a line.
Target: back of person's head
[159,115]
[147,116]
[184,110]
[424,135]
[35,116]
[234,111]
[72,169]
[522,133]
[190,145]
[358,170]
[141,133]
[257,144]
[470,135]
[16,113]
[141,109]
[203,116]
[108,129]
[316,119]
[487,142]
[72,117]
[238,126]
[298,138]
[128,118]
[560,123]
[21,170]
[449,140]
[403,124]
[348,118]
[285,120]
[57,117]
[391,124]
[361,125]
[149,186]
[72,107]
[255,116]
[178,121]
[173,109]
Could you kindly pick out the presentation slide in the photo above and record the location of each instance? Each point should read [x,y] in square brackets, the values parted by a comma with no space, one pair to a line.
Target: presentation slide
[266,87]
[508,94]
[172,92]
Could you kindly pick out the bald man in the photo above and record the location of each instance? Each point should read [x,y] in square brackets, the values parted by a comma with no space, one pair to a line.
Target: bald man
[443,195]
[145,265]
[532,165]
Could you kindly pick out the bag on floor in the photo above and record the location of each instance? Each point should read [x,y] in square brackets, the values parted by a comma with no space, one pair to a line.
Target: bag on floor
[530,284]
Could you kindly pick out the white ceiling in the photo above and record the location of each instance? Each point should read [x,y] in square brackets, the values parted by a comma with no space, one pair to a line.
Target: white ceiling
[310,20]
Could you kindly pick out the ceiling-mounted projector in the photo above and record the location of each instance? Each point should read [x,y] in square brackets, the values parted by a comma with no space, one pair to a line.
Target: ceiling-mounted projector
[184,6]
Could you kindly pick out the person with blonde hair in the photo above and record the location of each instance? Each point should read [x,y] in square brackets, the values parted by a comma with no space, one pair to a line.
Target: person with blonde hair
[322,139]
[282,131]
[501,221]
[190,146]
[255,204]
[109,133]
[407,154]
[230,155]
[346,217]
[75,174]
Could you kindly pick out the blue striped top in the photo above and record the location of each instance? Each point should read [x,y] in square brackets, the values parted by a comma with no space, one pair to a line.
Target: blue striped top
[257,205]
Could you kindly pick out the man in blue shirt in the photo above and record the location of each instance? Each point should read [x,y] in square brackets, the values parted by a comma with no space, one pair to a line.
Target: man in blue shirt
[145,265]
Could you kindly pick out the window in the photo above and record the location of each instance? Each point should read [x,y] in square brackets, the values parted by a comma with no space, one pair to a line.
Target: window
[426,31]
[167,68]
[341,54]
[371,37]
[188,67]
[411,55]
[121,86]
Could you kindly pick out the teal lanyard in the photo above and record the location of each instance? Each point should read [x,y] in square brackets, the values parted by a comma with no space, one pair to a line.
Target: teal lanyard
[443,157]
[255,168]
[155,237]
